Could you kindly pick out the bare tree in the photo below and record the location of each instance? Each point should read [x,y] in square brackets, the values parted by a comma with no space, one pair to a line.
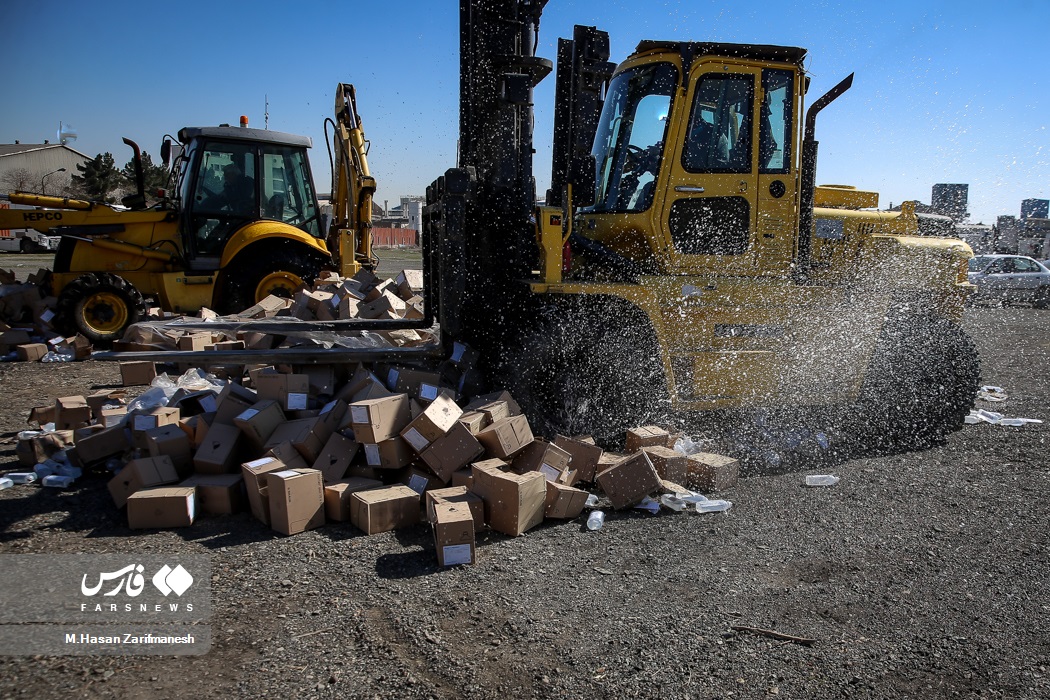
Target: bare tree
[19,180]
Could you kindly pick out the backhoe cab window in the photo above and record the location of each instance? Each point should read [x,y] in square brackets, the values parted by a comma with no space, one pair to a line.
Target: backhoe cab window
[228,188]
[630,138]
[287,192]
[774,129]
[719,139]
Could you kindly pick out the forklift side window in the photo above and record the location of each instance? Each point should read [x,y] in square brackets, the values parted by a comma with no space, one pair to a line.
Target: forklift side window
[719,138]
[774,129]
[628,145]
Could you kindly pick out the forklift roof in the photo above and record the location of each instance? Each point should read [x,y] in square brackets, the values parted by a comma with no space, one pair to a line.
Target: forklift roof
[760,52]
[243,134]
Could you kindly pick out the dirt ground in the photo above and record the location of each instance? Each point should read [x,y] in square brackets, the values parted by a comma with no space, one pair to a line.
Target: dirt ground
[921,574]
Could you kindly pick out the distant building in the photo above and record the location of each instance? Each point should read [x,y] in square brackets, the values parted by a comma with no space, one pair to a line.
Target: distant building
[24,165]
[1035,208]
[951,200]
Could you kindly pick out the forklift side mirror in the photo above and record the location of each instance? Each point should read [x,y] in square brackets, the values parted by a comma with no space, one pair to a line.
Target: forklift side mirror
[165,152]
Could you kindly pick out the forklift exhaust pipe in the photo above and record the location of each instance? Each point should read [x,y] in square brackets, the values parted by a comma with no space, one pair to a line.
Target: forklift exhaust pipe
[809,175]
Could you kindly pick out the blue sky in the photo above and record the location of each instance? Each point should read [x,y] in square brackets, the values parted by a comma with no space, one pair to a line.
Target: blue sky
[945,91]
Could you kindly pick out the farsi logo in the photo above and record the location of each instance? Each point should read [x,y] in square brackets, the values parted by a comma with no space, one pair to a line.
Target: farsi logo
[130,578]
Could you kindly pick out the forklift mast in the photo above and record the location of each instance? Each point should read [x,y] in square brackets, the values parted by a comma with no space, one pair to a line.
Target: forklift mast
[479,231]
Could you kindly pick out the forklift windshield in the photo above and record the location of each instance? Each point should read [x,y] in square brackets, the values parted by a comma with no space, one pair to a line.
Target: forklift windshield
[629,141]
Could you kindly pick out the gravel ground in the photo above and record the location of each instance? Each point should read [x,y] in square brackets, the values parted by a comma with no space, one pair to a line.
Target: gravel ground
[922,574]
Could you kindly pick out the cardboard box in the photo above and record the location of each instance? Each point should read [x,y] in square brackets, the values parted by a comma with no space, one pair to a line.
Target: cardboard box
[71,412]
[219,452]
[142,421]
[33,450]
[31,352]
[296,498]
[194,403]
[433,423]
[42,414]
[709,472]
[307,435]
[137,373]
[421,481]
[335,457]
[474,421]
[514,503]
[411,381]
[456,494]
[140,474]
[194,341]
[102,445]
[234,399]
[336,414]
[463,477]
[218,494]
[105,397]
[584,457]
[505,438]
[629,481]
[408,283]
[512,405]
[453,534]
[291,391]
[337,496]
[546,458]
[564,502]
[171,441]
[389,454]
[384,509]
[646,436]
[286,452]
[668,464]
[254,476]
[452,452]
[258,422]
[110,417]
[165,506]
[376,420]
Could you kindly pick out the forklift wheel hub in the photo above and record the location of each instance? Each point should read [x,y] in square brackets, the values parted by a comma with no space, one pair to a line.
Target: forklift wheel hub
[280,283]
[105,312]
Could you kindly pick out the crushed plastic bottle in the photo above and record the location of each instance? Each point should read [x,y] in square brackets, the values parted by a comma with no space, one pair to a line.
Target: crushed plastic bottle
[992,393]
[712,506]
[44,469]
[821,480]
[592,500]
[650,504]
[673,502]
[57,482]
[5,483]
[69,470]
[58,356]
[595,520]
[22,477]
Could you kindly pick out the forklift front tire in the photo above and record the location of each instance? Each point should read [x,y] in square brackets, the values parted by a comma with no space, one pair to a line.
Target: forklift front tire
[100,307]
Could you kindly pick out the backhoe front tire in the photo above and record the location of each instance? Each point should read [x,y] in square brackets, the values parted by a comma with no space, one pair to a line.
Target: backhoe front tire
[99,306]
[257,272]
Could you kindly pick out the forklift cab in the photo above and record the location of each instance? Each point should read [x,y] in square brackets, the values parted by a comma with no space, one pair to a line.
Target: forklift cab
[232,177]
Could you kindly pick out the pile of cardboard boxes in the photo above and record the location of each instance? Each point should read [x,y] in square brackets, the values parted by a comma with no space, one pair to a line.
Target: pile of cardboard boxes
[26,333]
[382,449]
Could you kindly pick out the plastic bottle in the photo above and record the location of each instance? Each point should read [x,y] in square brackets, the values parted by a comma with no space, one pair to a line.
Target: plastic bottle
[22,477]
[821,480]
[5,483]
[595,520]
[713,506]
[58,482]
[592,500]
[672,502]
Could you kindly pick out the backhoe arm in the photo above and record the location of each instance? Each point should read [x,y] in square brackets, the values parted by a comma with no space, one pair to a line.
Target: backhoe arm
[350,236]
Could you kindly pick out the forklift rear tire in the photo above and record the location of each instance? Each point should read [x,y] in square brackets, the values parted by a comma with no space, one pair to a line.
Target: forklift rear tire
[278,269]
[100,307]
[921,384]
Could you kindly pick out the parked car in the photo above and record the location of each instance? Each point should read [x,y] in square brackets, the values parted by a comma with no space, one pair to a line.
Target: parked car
[1010,278]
